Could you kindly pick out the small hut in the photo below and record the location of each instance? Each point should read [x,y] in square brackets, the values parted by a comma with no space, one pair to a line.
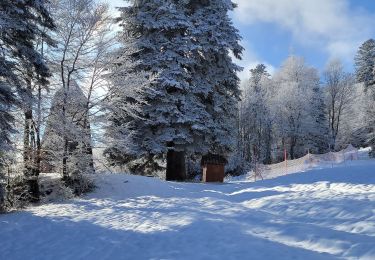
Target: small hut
[213,167]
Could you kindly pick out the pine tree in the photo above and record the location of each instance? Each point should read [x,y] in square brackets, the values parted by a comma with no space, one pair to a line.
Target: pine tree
[317,140]
[161,102]
[214,73]
[152,108]
[22,65]
[364,63]
[255,116]
[7,102]
[365,73]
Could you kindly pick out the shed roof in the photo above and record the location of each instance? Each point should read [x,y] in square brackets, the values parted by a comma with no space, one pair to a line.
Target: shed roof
[213,159]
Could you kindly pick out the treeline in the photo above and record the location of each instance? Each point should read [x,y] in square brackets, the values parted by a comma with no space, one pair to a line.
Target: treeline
[297,111]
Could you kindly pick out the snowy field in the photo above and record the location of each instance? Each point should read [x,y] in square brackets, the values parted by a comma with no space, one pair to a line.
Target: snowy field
[318,214]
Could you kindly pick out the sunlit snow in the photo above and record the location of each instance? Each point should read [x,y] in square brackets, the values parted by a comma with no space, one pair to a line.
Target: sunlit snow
[319,214]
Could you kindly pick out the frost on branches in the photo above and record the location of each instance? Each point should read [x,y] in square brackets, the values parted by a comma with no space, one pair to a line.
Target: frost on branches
[285,111]
[77,129]
[365,74]
[20,61]
[255,119]
[22,66]
[297,107]
[174,84]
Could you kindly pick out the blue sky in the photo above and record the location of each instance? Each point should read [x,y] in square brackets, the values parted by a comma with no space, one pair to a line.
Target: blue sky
[318,30]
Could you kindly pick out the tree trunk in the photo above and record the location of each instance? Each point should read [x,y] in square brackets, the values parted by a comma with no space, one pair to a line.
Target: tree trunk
[65,160]
[26,144]
[175,166]
[28,156]
[88,143]
[292,146]
[37,130]
[91,163]
[268,158]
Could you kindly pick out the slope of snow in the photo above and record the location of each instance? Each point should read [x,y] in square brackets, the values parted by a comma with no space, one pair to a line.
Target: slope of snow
[319,214]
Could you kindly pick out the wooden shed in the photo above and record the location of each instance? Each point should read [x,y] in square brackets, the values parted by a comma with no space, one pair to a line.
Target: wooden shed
[213,167]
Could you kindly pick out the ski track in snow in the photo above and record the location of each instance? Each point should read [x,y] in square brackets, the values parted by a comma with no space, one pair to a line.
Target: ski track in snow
[319,214]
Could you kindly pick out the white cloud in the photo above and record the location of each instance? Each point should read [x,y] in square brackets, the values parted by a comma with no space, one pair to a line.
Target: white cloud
[329,24]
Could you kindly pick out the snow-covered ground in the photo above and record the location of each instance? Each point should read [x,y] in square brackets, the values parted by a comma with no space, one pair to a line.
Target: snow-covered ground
[308,162]
[318,214]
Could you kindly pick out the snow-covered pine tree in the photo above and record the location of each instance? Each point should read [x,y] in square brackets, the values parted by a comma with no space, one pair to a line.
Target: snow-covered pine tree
[317,140]
[21,65]
[355,123]
[255,118]
[214,73]
[365,73]
[7,101]
[153,109]
[365,63]
[175,88]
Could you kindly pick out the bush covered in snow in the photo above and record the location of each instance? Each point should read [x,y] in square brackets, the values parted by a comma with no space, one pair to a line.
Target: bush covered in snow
[16,192]
[79,184]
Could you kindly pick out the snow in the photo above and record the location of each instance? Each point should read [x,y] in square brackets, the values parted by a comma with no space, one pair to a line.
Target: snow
[322,213]
[345,157]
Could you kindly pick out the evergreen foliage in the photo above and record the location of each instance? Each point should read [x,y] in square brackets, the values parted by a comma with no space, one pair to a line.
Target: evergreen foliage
[285,111]
[364,63]
[21,22]
[365,73]
[175,85]
[255,116]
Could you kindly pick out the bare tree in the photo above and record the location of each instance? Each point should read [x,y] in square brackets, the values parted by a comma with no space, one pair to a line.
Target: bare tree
[82,33]
[294,107]
[339,94]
